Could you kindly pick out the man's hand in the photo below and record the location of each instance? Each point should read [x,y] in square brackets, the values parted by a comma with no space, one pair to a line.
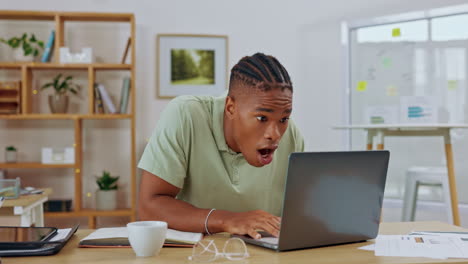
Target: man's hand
[249,222]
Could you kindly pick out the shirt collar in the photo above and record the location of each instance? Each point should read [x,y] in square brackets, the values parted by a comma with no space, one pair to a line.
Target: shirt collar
[218,124]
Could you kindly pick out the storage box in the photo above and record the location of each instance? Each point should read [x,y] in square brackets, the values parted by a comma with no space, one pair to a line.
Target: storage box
[58,155]
[85,56]
[10,188]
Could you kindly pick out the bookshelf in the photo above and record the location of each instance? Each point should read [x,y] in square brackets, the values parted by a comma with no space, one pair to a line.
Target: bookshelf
[26,70]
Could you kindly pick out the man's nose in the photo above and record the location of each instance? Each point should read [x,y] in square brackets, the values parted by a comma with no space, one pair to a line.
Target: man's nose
[273,133]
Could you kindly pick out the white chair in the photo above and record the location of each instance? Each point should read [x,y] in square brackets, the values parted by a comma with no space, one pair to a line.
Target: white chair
[427,176]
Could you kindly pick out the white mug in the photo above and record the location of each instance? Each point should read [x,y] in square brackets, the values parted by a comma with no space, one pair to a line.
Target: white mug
[147,237]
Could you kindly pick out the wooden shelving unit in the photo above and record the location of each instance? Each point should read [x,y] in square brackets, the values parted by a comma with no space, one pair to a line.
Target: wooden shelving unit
[34,165]
[65,116]
[121,212]
[68,66]
[26,69]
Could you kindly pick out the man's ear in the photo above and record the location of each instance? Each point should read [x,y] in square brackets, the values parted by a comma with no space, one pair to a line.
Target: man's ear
[230,107]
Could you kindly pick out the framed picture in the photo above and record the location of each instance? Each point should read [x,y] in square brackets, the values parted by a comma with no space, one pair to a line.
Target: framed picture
[191,64]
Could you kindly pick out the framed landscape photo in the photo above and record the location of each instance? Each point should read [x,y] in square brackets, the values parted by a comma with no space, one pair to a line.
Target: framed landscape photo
[191,65]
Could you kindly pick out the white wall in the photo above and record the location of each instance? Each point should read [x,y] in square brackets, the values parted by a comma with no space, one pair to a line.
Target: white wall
[303,35]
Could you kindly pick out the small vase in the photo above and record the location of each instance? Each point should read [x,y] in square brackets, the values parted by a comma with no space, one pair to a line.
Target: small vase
[106,200]
[10,156]
[18,55]
[58,103]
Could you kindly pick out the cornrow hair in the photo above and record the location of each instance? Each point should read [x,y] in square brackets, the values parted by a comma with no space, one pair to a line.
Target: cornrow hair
[260,71]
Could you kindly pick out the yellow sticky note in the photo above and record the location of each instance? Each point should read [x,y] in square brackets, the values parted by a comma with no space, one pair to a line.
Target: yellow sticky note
[361,86]
[396,32]
[391,90]
[452,84]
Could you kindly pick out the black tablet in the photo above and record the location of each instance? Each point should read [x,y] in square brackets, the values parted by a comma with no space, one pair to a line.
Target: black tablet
[12,237]
[41,248]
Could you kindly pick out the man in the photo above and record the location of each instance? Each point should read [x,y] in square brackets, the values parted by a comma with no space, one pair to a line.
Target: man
[209,152]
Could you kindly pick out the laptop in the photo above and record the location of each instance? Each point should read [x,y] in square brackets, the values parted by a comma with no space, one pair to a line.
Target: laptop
[330,198]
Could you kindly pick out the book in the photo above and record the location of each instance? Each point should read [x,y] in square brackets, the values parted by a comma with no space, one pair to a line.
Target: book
[10,97]
[127,47]
[99,107]
[49,47]
[58,205]
[118,237]
[107,99]
[124,95]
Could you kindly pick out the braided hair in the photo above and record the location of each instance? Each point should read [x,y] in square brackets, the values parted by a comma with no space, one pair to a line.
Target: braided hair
[259,71]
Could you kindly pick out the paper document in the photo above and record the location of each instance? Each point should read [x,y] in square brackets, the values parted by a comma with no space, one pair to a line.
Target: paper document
[370,247]
[433,233]
[440,245]
[61,234]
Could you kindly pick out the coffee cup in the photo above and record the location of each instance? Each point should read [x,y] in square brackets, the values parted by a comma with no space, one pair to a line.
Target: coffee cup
[147,237]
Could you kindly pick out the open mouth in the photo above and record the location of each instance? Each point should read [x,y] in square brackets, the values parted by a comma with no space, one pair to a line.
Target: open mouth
[265,152]
[265,155]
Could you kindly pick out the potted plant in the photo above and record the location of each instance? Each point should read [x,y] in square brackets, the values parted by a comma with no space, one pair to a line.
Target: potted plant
[58,102]
[30,47]
[10,154]
[106,196]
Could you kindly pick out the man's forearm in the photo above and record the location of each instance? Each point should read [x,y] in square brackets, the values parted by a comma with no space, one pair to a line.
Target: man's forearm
[157,202]
[181,215]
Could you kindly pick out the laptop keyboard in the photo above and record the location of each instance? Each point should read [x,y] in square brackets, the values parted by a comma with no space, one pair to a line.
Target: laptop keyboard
[268,238]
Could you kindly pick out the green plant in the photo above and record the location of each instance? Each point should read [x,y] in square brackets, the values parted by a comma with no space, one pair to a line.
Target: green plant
[62,86]
[107,182]
[31,45]
[10,148]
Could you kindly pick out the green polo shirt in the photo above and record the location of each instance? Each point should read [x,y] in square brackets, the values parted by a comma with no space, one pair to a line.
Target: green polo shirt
[188,150]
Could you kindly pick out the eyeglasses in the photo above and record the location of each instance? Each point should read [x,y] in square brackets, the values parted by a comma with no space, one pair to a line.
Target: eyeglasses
[206,251]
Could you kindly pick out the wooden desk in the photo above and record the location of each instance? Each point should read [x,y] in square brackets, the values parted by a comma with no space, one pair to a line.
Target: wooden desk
[26,210]
[348,254]
[443,130]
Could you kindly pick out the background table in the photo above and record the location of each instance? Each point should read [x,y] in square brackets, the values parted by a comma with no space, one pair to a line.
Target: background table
[27,210]
[348,254]
[381,131]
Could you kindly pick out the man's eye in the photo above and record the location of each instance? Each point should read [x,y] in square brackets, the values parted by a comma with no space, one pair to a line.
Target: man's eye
[284,120]
[262,118]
